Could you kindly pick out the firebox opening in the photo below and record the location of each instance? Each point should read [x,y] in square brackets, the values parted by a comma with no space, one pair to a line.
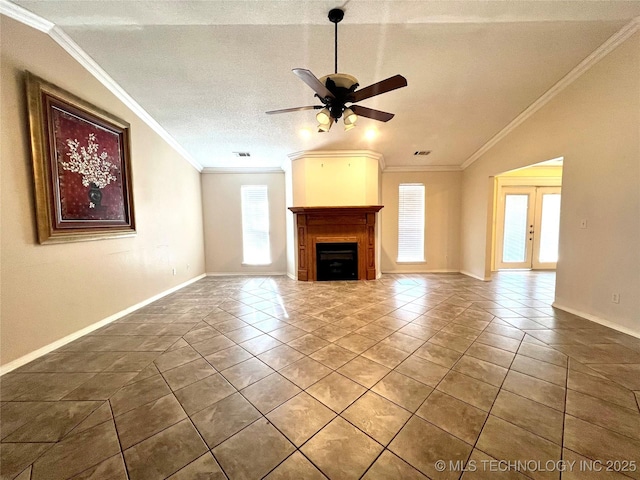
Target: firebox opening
[337,261]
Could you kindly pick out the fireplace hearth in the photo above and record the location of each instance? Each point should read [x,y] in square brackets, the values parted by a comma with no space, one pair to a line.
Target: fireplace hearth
[317,227]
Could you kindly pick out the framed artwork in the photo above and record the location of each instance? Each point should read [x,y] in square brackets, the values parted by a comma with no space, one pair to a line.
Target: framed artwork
[82,167]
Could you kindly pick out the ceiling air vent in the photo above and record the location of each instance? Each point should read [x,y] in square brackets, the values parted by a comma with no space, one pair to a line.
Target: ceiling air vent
[242,154]
[422,152]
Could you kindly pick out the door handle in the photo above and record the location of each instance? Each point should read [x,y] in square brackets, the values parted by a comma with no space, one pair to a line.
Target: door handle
[531,232]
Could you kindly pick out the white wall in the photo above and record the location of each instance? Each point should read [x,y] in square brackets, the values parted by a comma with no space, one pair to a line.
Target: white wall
[594,125]
[51,291]
[341,178]
[442,221]
[222,213]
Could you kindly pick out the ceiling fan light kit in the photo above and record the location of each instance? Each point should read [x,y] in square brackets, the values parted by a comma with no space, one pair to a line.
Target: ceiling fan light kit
[336,90]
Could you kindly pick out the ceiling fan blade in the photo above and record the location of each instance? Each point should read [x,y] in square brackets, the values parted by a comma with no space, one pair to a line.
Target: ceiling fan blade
[383,86]
[310,79]
[295,109]
[371,113]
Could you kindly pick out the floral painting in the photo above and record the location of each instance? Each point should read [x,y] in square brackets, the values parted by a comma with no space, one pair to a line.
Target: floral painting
[81,164]
[89,176]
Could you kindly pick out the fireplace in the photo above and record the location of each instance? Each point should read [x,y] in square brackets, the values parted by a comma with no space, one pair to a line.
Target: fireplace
[318,227]
[336,261]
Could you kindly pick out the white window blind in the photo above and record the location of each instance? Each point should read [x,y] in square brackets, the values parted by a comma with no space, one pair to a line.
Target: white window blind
[411,222]
[255,225]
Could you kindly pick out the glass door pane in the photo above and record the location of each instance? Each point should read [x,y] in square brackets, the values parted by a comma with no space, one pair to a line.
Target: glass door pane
[514,246]
[549,228]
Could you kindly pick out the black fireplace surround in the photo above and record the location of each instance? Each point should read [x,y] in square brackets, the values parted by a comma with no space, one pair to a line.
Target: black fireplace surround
[337,261]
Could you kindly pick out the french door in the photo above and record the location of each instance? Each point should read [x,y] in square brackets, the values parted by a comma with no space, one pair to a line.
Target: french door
[528,225]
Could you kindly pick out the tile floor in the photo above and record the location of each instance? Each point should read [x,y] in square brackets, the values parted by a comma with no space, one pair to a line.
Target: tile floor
[247,378]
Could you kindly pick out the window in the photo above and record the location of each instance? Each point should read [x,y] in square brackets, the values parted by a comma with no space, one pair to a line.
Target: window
[255,225]
[411,222]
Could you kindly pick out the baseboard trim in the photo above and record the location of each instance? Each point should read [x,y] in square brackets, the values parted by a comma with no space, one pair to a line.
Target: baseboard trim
[246,274]
[596,319]
[29,357]
[473,275]
[291,276]
[404,272]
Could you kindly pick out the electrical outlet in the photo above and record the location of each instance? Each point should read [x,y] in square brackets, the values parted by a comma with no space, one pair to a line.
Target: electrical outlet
[174,271]
[615,298]
[583,224]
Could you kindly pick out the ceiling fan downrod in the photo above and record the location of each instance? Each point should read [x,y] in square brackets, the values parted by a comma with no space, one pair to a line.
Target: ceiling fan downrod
[335,16]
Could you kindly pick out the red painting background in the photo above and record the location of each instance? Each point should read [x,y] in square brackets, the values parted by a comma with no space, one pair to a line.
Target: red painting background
[74,196]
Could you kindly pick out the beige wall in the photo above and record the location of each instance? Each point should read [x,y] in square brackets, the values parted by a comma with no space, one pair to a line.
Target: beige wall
[223,221]
[536,172]
[51,291]
[442,221]
[335,181]
[593,124]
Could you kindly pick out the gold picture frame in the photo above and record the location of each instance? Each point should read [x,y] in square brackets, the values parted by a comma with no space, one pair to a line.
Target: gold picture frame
[81,167]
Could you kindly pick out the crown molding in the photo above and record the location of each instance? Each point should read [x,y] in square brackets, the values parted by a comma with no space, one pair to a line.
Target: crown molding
[72,48]
[242,170]
[24,16]
[338,154]
[598,54]
[423,168]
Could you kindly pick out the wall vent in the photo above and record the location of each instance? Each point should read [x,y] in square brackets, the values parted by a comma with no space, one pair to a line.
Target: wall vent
[422,152]
[242,154]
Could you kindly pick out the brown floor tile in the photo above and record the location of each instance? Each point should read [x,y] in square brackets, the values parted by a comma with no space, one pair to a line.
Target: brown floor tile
[254,451]
[271,391]
[112,469]
[499,341]
[228,357]
[539,369]
[147,420]
[364,371]
[16,457]
[403,342]
[150,459]
[300,418]
[385,355]
[546,354]
[260,344]
[421,444]
[505,441]
[224,418]
[377,417]
[356,343]
[452,342]
[213,345]
[336,391]
[341,451]
[422,370]
[481,370]
[388,466]
[203,393]
[581,471]
[627,375]
[305,372]
[605,414]
[598,443]
[375,332]
[535,389]
[101,386]
[40,386]
[486,467]
[333,356]
[468,389]
[491,354]
[280,357]
[203,468]
[79,452]
[402,390]
[188,373]
[288,333]
[201,334]
[308,343]
[245,373]
[331,333]
[454,416]
[175,358]
[535,417]
[296,467]
[437,354]
[48,425]
[601,388]
[139,393]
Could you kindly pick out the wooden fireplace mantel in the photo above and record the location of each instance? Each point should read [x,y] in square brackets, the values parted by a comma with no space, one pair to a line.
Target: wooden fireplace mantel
[334,225]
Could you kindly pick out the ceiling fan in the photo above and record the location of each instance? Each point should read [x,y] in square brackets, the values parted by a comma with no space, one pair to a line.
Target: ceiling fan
[336,90]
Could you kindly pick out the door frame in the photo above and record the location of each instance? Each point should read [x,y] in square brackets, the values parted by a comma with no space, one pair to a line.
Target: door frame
[506,181]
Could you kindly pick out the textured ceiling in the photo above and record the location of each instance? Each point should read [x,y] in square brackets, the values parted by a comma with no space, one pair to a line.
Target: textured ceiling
[208,70]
